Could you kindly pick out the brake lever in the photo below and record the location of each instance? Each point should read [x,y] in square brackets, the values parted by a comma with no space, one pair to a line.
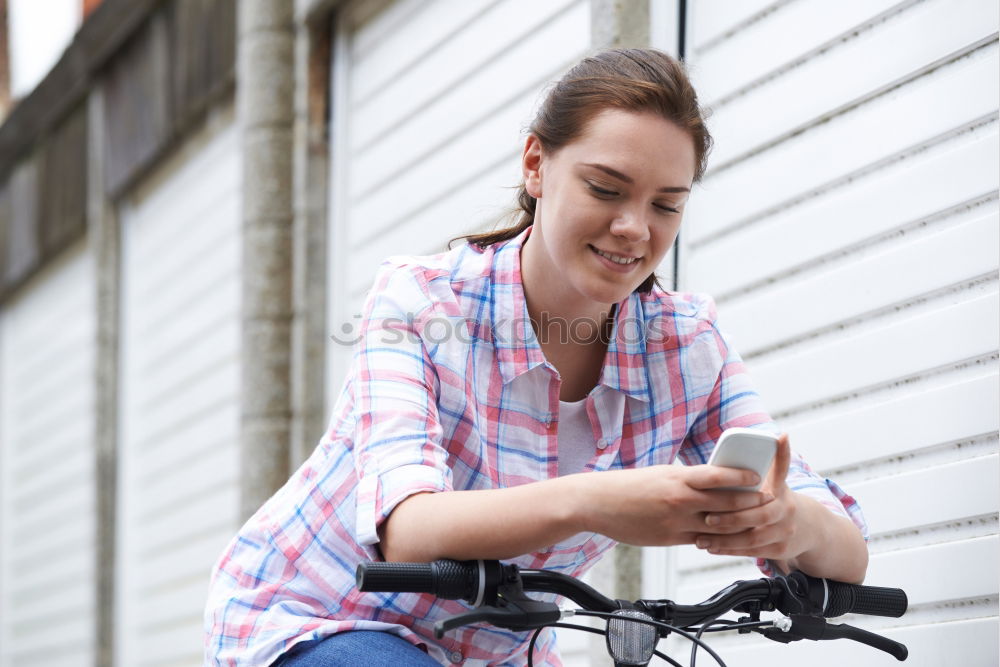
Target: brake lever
[506,606]
[818,629]
[518,614]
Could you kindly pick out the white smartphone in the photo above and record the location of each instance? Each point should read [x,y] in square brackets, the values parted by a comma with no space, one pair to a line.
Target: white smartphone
[746,448]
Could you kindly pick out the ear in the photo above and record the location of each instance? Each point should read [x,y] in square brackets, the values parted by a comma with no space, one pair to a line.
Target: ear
[531,166]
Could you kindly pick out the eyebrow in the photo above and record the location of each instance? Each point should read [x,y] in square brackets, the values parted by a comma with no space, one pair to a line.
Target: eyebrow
[614,173]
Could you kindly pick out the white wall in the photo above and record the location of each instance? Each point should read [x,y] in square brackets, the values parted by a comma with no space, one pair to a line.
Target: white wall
[849,230]
[47,467]
[179,465]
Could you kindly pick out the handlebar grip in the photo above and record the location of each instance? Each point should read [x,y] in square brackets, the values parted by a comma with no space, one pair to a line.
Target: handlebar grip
[871,600]
[449,579]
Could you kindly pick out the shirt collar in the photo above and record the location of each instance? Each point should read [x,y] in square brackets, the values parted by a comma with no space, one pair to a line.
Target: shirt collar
[517,348]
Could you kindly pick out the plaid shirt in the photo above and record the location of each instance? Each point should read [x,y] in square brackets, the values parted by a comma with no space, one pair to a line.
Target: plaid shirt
[449,389]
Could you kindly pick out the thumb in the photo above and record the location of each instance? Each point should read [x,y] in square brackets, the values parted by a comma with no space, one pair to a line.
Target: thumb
[779,467]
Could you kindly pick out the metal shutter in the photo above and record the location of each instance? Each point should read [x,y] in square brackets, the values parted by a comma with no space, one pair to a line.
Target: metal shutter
[178,474]
[848,229]
[47,467]
[429,100]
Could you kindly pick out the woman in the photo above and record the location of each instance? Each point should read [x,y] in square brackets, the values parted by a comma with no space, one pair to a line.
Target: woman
[518,397]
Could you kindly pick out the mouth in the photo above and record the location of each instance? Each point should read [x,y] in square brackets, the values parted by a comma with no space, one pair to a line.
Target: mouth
[622,260]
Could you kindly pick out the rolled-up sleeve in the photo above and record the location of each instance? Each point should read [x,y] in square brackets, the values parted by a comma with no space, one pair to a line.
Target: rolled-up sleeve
[397,434]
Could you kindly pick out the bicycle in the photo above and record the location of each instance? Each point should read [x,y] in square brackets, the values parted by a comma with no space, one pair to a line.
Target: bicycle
[497,591]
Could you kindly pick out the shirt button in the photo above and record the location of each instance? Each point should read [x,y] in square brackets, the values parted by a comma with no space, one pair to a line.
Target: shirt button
[455,657]
[601,444]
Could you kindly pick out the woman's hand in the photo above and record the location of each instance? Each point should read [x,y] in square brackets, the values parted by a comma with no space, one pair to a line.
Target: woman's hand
[662,505]
[774,530]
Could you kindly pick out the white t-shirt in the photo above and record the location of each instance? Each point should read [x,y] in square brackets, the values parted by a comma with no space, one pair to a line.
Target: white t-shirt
[576,437]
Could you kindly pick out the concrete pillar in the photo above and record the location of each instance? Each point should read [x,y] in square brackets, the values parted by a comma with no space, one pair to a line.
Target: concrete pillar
[264,85]
[619,23]
[104,245]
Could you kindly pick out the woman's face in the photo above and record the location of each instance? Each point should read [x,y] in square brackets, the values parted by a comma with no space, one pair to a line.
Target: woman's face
[618,189]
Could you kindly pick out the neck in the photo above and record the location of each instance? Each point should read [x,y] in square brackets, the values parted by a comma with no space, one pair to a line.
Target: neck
[560,316]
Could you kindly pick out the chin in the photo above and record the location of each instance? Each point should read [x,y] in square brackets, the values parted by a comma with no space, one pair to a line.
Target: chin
[610,296]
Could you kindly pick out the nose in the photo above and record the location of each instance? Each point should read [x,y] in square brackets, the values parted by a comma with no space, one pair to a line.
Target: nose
[630,225]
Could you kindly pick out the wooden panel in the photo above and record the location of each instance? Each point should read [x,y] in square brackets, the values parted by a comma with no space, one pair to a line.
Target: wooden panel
[851,142]
[203,54]
[179,393]
[180,62]
[803,235]
[62,193]
[47,493]
[23,243]
[932,31]
[137,106]
[898,275]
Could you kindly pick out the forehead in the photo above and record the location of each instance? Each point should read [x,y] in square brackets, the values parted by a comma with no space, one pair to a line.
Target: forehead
[642,145]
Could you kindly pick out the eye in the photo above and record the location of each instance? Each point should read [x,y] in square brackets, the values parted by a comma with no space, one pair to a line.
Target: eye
[665,209]
[600,192]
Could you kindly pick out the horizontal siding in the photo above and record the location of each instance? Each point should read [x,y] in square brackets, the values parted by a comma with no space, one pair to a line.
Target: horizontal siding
[47,467]
[179,397]
[848,230]
[818,84]
[899,198]
[852,145]
[406,181]
[431,100]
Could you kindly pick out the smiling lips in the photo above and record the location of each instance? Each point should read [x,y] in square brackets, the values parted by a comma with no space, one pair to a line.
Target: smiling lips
[617,259]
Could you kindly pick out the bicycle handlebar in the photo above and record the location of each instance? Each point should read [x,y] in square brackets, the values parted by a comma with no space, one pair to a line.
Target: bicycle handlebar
[448,579]
[470,580]
[804,599]
[869,600]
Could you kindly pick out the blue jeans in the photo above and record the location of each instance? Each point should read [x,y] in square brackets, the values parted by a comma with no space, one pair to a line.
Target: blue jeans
[358,648]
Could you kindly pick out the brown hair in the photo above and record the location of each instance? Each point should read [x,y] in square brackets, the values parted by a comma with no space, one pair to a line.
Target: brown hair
[629,79]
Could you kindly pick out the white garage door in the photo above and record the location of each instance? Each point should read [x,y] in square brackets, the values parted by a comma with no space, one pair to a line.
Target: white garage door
[47,467]
[179,398]
[429,102]
[849,231]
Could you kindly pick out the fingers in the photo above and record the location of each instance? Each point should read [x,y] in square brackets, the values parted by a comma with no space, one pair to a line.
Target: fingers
[727,523]
[764,542]
[713,477]
[730,501]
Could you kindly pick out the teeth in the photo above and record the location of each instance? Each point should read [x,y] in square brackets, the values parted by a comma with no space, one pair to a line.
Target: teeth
[615,258]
